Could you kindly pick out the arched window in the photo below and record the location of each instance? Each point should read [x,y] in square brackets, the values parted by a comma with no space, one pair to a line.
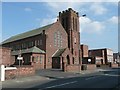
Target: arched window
[68,59]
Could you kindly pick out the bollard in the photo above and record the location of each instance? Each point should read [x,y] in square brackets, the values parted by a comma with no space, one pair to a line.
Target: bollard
[2,73]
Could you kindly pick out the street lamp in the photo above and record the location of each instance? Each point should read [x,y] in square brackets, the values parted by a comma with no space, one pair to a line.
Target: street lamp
[89,60]
[80,51]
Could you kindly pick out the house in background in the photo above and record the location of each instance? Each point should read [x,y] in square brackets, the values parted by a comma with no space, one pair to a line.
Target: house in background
[102,56]
[96,56]
[86,59]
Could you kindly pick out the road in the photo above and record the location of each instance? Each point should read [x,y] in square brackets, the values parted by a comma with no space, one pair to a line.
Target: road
[109,80]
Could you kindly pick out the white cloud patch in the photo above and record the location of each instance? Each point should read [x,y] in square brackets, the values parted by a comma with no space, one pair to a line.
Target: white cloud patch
[60,6]
[28,9]
[86,24]
[113,20]
[90,26]
[98,9]
[46,21]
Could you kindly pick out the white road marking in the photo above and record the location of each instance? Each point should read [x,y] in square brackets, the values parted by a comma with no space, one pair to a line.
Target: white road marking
[92,77]
[61,84]
[19,81]
[61,77]
[111,75]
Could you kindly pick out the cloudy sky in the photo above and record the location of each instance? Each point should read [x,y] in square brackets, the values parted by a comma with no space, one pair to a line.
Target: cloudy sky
[99,29]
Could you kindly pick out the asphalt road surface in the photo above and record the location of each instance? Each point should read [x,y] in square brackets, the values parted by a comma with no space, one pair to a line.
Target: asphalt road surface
[109,80]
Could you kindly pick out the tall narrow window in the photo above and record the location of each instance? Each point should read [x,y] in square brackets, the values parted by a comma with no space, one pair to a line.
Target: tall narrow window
[55,39]
[32,44]
[41,42]
[35,42]
[63,22]
[76,24]
[22,46]
[38,42]
[61,40]
[67,24]
[40,59]
[73,24]
[58,37]
[73,61]
[37,59]
[29,44]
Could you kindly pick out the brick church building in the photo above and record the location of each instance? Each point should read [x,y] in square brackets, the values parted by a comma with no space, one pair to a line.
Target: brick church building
[51,46]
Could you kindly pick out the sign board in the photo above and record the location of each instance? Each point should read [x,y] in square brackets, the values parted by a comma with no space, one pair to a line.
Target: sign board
[20,58]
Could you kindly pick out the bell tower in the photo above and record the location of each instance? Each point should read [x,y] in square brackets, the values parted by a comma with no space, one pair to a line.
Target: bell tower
[70,21]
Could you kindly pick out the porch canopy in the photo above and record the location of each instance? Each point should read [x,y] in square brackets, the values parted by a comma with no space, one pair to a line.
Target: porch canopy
[29,50]
[58,52]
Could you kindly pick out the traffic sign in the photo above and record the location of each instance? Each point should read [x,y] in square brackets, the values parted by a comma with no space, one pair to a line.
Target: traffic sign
[20,58]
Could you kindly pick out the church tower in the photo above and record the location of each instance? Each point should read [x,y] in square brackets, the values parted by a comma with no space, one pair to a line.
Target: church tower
[70,21]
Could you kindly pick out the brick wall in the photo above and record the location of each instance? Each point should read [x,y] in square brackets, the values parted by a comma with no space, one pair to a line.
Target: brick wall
[114,65]
[20,71]
[73,68]
[91,66]
[39,64]
[84,49]
[5,56]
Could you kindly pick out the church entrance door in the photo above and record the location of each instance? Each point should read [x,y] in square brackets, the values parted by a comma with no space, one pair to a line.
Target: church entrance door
[56,62]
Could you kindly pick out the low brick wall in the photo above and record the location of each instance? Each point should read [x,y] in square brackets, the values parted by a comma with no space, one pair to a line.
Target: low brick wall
[20,71]
[91,66]
[73,68]
[114,65]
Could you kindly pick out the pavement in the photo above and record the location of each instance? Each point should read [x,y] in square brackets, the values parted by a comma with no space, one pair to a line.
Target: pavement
[57,73]
[43,76]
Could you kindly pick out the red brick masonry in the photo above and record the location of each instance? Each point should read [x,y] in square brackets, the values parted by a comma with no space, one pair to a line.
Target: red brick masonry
[114,65]
[91,66]
[20,71]
[73,68]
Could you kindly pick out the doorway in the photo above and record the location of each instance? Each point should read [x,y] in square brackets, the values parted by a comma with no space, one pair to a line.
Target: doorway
[56,62]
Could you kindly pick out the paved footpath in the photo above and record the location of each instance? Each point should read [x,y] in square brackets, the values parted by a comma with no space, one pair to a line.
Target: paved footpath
[43,76]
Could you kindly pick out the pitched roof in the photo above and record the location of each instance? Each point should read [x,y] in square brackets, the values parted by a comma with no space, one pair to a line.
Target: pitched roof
[30,50]
[59,52]
[27,34]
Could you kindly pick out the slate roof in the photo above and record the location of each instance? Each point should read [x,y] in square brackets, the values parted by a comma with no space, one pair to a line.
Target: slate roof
[27,34]
[30,50]
[59,52]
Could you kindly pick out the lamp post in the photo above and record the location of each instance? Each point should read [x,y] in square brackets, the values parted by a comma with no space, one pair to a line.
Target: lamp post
[84,15]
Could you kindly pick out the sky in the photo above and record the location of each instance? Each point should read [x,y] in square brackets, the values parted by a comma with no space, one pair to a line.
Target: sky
[99,29]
